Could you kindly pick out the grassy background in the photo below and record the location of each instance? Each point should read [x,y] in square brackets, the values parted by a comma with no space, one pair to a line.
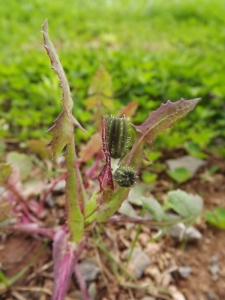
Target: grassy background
[154,51]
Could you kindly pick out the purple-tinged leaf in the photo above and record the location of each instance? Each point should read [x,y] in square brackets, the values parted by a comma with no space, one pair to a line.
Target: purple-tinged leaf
[164,117]
[105,178]
[65,258]
[63,135]
[33,229]
[62,130]
[57,67]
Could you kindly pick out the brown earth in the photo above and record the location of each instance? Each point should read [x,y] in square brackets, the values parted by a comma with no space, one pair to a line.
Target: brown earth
[17,250]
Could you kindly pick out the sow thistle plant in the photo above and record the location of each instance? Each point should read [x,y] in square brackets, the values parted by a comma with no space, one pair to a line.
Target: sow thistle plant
[114,186]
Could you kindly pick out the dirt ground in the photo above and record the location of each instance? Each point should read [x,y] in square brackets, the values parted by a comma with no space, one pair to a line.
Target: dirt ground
[18,249]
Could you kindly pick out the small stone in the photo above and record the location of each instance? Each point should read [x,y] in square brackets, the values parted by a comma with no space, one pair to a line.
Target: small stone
[192,234]
[184,272]
[154,273]
[176,294]
[59,187]
[177,231]
[92,290]
[49,200]
[167,278]
[209,296]
[214,269]
[192,164]
[89,270]
[143,239]
[152,249]
[214,259]
[139,262]
[180,233]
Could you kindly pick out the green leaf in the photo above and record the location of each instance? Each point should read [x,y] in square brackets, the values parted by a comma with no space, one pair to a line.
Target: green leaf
[21,161]
[106,210]
[74,197]
[61,133]
[194,150]
[148,177]
[155,209]
[179,174]
[164,117]
[153,156]
[187,205]
[216,218]
[62,130]
[57,67]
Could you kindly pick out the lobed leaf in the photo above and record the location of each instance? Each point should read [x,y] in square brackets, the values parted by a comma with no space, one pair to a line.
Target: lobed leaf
[57,67]
[164,117]
[61,133]
[62,130]
[186,205]
[154,208]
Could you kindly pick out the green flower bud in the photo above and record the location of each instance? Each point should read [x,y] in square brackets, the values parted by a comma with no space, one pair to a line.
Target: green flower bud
[117,130]
[125,176]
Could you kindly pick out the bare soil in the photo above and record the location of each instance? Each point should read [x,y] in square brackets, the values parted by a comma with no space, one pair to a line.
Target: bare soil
[17,250]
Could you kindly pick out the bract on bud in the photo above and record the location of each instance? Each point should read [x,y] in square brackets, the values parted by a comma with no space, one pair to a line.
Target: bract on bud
[117,130]
[125,176]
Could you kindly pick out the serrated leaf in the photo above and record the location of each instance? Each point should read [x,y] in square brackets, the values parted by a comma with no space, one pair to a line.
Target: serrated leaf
[164,117]
[5,171]
[187,205]
[56,65]
[21,161]
[216,218]
[61,133]
[155,209]
[179,174]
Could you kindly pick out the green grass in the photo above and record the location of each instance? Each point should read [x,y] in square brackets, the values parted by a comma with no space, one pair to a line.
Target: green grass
[154,51]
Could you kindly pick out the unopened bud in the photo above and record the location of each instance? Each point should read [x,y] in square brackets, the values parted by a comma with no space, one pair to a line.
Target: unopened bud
[125,176]
[117,130]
